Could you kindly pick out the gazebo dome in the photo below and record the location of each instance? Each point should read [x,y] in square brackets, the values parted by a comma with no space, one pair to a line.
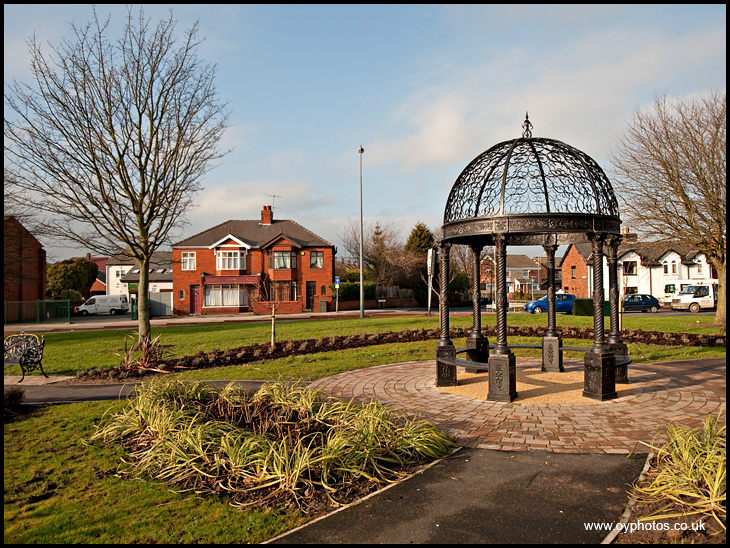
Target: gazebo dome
[531,185]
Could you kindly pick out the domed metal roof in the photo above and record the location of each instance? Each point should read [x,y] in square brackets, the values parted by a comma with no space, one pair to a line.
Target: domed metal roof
[531,185]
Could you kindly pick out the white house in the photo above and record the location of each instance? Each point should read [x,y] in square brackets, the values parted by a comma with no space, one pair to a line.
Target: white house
[123,277]
[648,267]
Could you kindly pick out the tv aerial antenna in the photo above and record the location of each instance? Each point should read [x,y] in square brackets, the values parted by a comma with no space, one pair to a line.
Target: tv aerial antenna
[273,199]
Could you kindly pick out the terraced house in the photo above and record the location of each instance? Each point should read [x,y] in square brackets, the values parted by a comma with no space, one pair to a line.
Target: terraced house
[248,265]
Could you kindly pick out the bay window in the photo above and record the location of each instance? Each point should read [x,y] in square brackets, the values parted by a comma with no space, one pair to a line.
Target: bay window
[284,259]
[284,291]
[225,295]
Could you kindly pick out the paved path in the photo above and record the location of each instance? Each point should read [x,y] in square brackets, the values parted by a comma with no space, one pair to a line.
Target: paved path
[681,392]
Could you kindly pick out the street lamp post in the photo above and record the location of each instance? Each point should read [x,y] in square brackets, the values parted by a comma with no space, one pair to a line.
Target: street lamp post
[362,288]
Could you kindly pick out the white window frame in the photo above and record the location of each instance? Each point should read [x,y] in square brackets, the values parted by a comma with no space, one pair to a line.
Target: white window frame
[230,259]
[188,260]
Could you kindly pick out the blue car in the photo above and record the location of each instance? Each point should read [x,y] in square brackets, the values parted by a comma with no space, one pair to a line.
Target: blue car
[563,303]
[644,303]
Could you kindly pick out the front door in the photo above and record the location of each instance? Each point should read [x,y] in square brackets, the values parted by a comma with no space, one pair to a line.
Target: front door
[195,299]
[311,291]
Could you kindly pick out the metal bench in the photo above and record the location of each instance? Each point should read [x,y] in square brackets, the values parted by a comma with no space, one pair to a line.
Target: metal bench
[460,362]
[25,350]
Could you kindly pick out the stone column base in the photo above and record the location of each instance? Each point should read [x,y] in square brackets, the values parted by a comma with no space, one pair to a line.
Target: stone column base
[502,377]
[552,354]
[445,372]
[600,376]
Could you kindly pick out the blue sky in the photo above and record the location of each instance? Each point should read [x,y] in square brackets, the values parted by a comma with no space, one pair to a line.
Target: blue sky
[423,88]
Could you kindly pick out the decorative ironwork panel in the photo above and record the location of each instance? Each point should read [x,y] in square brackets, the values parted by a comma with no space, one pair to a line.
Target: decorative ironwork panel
[531,176]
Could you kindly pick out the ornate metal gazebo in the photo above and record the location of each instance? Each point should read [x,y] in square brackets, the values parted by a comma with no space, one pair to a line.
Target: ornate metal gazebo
[532,191]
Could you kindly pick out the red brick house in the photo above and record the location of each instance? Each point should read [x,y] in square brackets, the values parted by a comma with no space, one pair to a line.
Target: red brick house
[24,276]
[523,273]
[575,270]
[246,265]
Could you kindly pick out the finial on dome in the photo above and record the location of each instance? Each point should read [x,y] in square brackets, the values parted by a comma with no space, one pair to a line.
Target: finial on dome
[527,127]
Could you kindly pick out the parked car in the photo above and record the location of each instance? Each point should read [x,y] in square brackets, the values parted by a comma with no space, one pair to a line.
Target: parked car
[645,303]
[563,303]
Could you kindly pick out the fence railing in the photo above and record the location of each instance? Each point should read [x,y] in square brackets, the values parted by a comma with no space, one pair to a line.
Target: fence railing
[38,311]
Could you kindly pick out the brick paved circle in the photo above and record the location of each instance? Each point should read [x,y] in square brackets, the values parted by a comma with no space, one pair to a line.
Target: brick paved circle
[680,392]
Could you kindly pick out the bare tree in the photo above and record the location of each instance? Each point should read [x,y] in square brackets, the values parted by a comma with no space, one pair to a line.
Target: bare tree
[265,295]
[671,171]
[110,141]
[384,256]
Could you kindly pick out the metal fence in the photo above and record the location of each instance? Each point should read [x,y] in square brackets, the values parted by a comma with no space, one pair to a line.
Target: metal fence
[38,311]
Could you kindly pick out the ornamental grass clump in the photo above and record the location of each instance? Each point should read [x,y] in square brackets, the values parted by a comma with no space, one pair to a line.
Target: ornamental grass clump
[690,473]
[284,443]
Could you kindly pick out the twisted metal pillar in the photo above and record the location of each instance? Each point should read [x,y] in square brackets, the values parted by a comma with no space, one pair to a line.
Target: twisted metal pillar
[599,334]
[445,350]
[477,343]
[500,253]
[502,363]
[600,363]
[552,343]
[615,341]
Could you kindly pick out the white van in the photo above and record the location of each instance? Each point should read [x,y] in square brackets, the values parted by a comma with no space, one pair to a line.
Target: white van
[672,288]
[695,297]
[104,304]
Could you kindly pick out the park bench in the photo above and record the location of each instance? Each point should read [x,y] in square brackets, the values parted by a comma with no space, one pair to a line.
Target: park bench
[621,360]
[25,350]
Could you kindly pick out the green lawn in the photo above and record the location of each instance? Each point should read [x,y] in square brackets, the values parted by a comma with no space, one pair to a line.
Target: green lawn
[60,489]
[67,353]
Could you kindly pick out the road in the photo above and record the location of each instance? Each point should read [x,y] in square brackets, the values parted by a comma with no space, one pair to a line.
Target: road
[106,321]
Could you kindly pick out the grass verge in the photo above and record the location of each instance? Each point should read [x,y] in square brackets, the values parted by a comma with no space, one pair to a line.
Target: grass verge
[68,353]
[684,489]
[59,489]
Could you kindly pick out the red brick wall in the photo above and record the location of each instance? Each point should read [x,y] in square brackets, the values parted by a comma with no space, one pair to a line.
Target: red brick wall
[24,264]
[578,286]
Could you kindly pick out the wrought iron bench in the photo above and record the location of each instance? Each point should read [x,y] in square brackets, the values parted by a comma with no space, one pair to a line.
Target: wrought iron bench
[461,362]
[25,350]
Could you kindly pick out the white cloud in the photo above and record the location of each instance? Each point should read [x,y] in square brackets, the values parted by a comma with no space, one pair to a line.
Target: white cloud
[581,92]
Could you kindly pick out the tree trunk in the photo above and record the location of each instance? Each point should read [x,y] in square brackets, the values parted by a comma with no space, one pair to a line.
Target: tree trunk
[143,309]
[273,326]
[721,267]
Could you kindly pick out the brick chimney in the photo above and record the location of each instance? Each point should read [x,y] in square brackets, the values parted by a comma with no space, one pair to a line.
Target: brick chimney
[266,215]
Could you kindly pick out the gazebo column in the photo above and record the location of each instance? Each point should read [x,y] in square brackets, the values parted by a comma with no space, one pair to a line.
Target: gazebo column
[600,363]
[615,342]
[445,350]
[552,342]
[502,363]
[476,343]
